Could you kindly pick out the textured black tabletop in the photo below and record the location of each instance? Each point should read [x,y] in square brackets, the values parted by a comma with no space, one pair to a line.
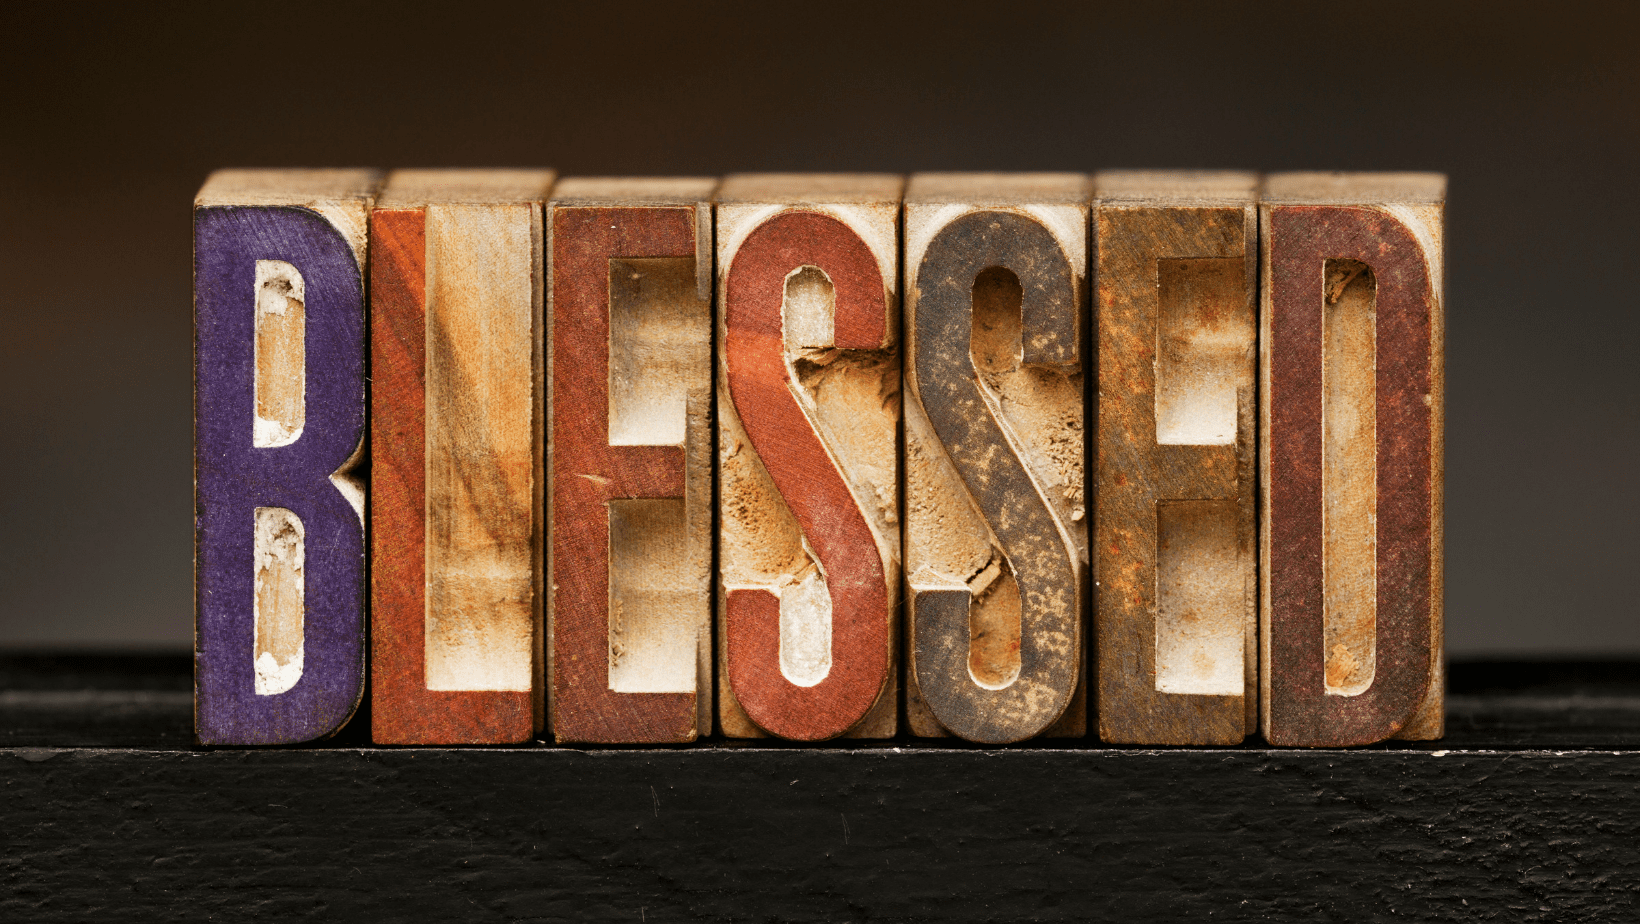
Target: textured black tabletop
[1529,810]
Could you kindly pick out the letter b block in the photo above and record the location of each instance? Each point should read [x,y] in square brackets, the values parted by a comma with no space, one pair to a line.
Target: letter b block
[279,401]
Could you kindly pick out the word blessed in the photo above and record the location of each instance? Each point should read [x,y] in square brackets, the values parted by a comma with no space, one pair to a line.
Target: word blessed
[1154,457]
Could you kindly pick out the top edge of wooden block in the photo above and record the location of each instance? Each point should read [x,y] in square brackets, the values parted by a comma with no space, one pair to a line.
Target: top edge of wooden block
[1353,188]
[1000,188]
[248,187]
[1116,186]
[407,189]
[810,188]
[634,190]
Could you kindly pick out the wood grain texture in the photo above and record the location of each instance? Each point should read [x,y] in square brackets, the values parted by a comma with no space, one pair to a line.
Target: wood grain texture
[456,284]
[996,526]
[1175,531]
[279,402]
[809,491]
[1342,251]
[631,524]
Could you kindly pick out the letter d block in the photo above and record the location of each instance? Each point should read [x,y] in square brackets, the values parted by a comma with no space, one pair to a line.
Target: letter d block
[456,401]
[1351,468]
[279,400]
[808,412]
[1174,538]
[631,479]
[996,524]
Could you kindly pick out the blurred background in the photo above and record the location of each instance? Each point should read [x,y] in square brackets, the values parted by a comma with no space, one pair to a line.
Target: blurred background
[111,116]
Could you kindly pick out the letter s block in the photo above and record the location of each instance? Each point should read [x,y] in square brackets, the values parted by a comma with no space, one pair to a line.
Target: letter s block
[996,524]
[808,410]
[279,417]
[1175,534]
[1351,465]
[631,462]
[456,401]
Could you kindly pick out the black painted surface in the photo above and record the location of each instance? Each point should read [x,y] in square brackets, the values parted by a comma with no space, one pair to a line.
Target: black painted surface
[1453,830]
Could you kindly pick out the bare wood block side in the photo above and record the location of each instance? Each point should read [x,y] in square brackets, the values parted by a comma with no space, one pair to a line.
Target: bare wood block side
[457,411]
[1175,529]
[279,422]
[808,411]
[996,525]
[630,373]
[1351,420]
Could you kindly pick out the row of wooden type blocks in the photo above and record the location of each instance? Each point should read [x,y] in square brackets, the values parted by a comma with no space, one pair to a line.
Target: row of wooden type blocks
[510,441]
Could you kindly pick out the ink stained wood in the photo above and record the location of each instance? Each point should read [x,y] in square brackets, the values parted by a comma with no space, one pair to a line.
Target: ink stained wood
[858,577]
[1397,241]
[294,238]
[1012,433]
[442,460]
[1158,226]
[588,243]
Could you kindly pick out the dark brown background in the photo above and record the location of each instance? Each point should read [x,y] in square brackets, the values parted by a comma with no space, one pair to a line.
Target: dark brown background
[110,117]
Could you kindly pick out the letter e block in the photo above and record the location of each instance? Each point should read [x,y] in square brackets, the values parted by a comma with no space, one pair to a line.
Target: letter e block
[1175,535]
[630,369]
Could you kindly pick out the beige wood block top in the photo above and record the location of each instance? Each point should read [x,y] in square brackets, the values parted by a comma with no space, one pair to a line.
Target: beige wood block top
[286,187]
[409,189]
[634,190]
[1354,188]
[805,188]
[1171,186]
[987,189]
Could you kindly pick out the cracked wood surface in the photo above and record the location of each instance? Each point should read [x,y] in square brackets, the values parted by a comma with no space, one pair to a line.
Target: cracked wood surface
[809,411]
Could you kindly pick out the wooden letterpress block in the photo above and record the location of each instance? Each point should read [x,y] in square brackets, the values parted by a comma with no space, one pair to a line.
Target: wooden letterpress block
[996,522]
[1174,530]
[456,444]
[630,372]
[1351,406]
[808,414]
[279,401]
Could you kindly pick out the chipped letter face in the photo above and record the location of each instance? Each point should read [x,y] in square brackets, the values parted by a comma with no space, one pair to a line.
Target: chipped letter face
[457,285]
